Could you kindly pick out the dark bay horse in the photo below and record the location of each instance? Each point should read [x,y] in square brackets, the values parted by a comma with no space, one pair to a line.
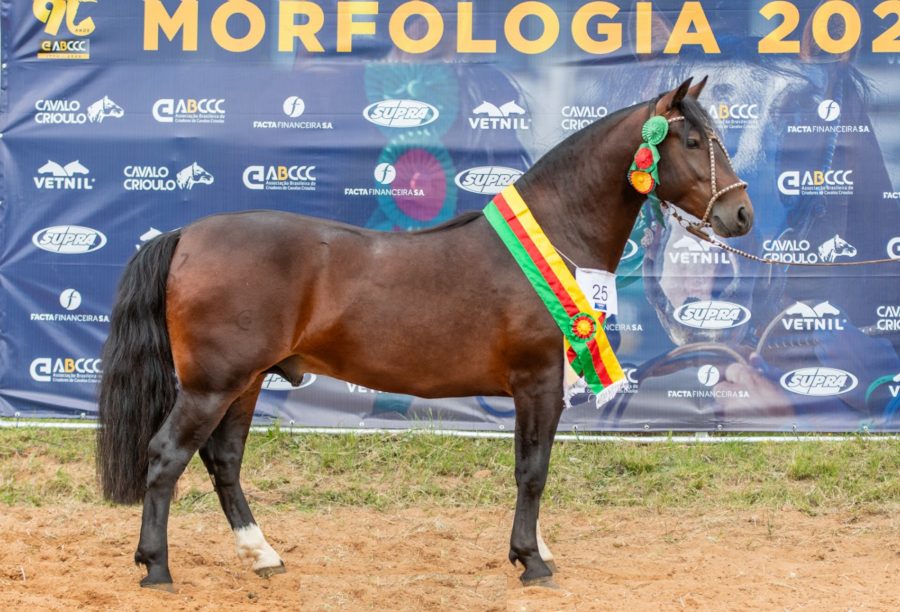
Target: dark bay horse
[203,313]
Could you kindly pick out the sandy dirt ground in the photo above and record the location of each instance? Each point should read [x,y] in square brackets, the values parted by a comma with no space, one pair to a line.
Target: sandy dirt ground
[79,557]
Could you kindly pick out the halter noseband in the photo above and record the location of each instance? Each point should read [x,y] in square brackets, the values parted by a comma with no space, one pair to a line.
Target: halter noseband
[644,172]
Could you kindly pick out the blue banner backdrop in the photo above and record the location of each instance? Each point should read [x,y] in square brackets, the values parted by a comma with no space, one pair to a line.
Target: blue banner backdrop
[121,120]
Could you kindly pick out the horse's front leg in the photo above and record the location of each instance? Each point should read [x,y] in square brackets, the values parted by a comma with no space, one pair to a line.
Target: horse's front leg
[539,404]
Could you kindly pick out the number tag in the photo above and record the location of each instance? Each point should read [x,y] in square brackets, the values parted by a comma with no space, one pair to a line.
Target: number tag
[599,287]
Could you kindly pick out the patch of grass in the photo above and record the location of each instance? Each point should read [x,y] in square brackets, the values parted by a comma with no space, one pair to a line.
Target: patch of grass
[312,472]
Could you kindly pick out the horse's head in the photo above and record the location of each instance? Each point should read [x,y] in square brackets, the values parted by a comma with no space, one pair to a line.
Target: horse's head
[695,172]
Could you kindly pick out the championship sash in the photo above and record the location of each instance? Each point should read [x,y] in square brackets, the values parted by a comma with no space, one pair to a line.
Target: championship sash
[584,340]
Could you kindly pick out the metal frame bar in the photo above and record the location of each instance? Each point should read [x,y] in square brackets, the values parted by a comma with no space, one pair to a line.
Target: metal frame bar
[696,438]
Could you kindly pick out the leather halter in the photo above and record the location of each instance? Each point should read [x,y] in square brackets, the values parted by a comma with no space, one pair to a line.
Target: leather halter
[696,228]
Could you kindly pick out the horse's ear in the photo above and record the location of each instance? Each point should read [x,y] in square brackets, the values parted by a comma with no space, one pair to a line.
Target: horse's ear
[810,51]
[671,99]
[696,90]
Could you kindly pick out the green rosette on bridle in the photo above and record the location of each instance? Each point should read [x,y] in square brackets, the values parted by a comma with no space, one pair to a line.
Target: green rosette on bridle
[644,171]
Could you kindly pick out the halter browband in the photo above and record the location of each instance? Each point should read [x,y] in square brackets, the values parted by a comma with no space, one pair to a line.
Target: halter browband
[644,171]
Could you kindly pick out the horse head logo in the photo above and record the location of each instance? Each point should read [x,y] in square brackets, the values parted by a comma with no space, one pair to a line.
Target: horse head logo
[53,169]
[491,110]
[826,308]
[836,247]
[803,310]
[103,108]
[71,169]
[193,175]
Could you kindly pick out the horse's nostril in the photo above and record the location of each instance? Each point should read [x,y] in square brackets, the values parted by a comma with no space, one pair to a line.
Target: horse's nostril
[742,216]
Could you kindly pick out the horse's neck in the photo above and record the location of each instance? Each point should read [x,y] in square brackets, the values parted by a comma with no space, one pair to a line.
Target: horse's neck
[581,197]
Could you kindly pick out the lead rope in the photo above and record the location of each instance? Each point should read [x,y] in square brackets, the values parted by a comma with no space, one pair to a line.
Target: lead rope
[696,230]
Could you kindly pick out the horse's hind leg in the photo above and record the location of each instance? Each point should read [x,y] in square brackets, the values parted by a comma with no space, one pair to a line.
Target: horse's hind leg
[222,455]
[539,405]
[190,423]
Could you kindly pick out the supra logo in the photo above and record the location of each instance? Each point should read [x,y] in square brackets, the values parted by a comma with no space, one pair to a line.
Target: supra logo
[159,178]
[817,182]
[69,239]
[690,251]
[280,178]
[819,382]
[509,116]
[821,317]
[712,314]
[401,113]
[64,111]
[829,110]
[577,117]
[275,382]
[65,370]
[708,375]
[72,176]
[893,248]
[189,110]
[487,179]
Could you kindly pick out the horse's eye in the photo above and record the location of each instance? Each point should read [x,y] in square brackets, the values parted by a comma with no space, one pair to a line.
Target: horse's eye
[693,143]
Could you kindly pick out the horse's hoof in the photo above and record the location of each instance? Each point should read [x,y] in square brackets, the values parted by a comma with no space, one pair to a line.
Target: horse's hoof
[546,582]
[166,587]
[552,565]
[268,572]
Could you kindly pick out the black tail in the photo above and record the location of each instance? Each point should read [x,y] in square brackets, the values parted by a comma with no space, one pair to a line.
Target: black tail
[138,389]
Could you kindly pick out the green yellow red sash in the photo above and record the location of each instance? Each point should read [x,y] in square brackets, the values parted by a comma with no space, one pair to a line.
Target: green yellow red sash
[586,346]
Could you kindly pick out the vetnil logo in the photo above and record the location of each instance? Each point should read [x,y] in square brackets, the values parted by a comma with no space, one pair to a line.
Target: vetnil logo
[71,177]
